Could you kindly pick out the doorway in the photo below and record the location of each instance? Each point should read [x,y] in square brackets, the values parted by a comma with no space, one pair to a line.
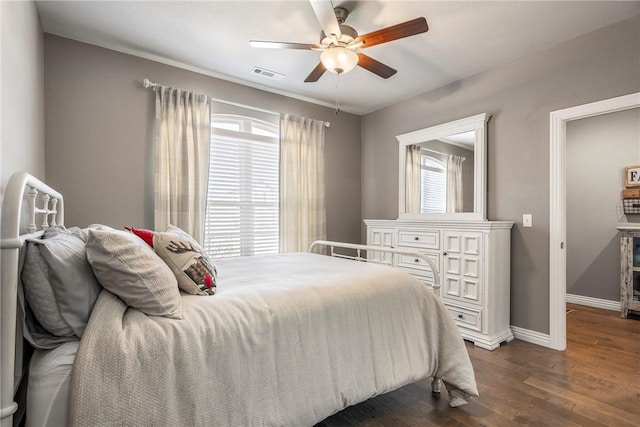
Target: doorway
[558,214]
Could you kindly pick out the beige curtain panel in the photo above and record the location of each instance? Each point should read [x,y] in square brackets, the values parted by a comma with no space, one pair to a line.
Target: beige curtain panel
[454,183]
[182,133]
[302,190]
[413,179]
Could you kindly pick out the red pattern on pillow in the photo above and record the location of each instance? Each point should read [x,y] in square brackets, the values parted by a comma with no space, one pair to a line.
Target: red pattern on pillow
[144,234]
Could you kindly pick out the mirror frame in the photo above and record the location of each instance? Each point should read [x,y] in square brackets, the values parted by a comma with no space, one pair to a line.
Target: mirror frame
[477,123]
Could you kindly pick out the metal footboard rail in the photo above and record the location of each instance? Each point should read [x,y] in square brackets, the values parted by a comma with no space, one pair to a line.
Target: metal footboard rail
[436,382]
[359,256]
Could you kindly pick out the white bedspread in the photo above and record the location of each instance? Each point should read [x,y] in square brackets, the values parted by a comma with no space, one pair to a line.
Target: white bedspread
[287,341]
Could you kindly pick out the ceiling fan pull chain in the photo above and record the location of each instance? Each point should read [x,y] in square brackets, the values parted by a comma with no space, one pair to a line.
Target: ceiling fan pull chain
[337,93]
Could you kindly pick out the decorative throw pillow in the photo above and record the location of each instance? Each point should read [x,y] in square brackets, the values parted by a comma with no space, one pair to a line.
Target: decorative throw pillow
[195,272]
[126,266]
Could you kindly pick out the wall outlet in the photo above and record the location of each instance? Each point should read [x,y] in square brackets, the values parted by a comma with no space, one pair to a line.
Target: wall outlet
[527,220]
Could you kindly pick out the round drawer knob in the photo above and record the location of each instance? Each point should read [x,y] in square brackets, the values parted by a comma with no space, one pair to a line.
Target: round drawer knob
[417,260]
[416,238]
[444,253]
[460,316]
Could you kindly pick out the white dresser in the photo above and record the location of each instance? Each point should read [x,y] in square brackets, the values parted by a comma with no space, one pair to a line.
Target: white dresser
[474,263]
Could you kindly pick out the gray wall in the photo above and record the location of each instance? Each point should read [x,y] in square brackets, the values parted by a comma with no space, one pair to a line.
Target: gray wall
[98,130]
[598,149]
[22,121]
[519,96]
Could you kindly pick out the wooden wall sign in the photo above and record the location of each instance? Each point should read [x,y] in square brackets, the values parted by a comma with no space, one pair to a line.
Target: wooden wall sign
[632,176]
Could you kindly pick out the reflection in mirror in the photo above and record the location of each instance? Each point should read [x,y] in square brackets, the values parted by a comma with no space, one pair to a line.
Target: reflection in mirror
[439,175]
[442,171]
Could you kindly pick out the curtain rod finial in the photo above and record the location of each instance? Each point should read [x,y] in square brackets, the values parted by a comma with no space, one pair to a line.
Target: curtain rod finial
[146,83]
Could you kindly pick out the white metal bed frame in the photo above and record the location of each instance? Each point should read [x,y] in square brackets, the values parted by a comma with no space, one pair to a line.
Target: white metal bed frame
[436,383]
[376,249]
[23,219]
[19,216]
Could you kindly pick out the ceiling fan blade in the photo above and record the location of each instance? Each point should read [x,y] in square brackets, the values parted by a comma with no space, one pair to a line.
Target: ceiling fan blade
[376,67]
[316,73]
[281,45]
[395,32]
[327,17]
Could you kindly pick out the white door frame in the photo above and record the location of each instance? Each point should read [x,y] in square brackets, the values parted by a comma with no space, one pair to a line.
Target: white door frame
[558,206]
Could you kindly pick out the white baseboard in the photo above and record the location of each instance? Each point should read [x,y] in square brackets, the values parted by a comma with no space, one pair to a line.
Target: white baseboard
[593,302]
[545,339]
[531,336]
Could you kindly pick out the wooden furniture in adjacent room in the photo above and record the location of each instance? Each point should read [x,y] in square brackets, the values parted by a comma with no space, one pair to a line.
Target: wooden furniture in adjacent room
[629,268]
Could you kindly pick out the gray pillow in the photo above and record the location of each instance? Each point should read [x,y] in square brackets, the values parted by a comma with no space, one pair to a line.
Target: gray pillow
[73,284]
[126,266]
[39,294]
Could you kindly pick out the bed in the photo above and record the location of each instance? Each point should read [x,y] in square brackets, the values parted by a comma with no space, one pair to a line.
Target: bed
[287,339]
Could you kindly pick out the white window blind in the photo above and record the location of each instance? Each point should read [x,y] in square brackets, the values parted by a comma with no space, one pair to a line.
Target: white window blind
[243,188]
[433,176]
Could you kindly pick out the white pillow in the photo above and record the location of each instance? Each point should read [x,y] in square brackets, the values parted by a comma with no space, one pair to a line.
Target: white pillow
[126,266]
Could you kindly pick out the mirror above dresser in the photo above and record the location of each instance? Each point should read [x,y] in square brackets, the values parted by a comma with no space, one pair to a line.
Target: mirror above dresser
[442,171]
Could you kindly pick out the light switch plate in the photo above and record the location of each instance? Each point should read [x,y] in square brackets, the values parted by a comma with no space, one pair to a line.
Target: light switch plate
[527,220]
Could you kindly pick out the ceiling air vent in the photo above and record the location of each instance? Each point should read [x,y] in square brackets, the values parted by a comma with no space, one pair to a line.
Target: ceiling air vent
[266,73]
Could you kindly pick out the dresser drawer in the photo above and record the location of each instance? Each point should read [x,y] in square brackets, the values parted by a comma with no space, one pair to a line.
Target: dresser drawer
[465,317]
[414,263]
[422,239]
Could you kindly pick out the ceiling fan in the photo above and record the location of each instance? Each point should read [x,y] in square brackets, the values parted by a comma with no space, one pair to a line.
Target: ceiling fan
[340,43]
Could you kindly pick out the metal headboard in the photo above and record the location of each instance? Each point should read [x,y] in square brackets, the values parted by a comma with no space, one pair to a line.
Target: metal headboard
[29,207]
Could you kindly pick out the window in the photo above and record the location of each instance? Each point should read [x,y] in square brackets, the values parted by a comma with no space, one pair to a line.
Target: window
[243,189]
[433,177]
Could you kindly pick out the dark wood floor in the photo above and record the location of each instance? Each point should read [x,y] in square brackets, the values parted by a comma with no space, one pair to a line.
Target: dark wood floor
[596,382]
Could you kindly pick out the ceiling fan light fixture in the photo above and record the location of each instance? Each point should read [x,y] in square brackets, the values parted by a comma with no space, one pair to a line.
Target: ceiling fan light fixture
[339,59]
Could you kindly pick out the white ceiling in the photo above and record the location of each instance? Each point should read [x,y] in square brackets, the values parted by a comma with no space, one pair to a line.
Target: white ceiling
[212,37]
